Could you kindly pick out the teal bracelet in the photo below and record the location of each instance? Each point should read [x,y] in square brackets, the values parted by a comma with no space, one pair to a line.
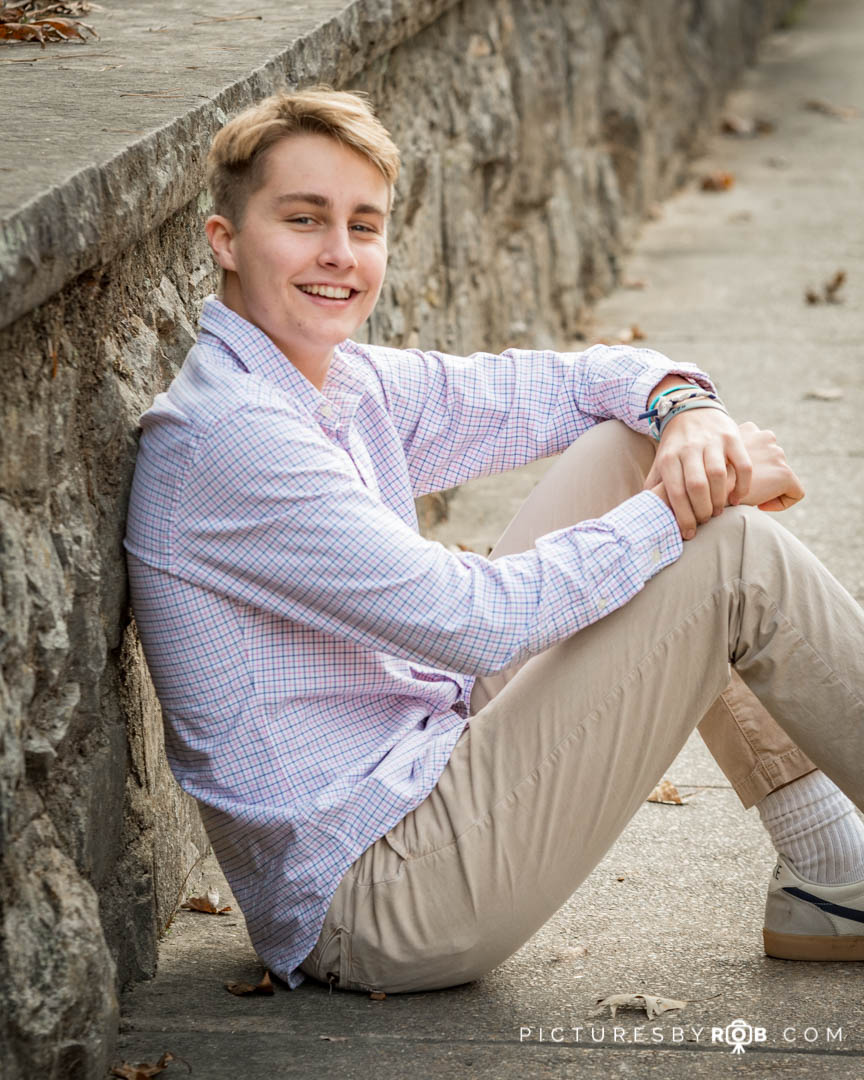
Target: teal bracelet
[671,390]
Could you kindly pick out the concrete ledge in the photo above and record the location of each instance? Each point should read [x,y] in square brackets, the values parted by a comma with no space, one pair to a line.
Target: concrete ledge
[129,150]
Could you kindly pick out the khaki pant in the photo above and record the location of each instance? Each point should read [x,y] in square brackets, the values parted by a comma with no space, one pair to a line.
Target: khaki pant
[562,750]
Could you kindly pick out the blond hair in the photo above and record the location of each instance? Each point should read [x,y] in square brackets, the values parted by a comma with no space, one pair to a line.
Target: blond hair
[235,164]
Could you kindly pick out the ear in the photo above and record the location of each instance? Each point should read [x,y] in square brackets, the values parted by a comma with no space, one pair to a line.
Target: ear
[220,235]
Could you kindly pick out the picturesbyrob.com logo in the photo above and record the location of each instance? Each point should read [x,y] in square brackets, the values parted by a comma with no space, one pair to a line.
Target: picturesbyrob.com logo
[739,1034]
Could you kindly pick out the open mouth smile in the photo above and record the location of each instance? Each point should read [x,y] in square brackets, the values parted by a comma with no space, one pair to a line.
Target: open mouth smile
[328,293]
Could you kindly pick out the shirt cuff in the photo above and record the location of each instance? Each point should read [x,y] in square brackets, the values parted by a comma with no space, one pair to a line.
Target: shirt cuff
[646,382]
[649,527]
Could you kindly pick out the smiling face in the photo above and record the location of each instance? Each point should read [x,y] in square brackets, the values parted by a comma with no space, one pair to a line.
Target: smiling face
[307,262]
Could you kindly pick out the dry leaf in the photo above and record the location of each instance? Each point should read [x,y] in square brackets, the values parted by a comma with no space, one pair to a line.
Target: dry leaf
[145,1070]
[630,333]
[732,124]
[652,1005]
[573,952]
[633,283]
[746,127]
[717,181]
[824,393]
[620,877]
[665,792]
[832,287]
[828,108]
[205,904]
[830,290]
[334,1038]
[242,989]
[377,995]
[40,29]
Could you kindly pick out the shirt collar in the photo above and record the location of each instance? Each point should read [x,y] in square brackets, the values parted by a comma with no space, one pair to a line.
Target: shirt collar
[253,350]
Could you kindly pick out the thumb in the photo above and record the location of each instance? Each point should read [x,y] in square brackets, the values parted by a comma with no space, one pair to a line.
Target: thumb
[781,502]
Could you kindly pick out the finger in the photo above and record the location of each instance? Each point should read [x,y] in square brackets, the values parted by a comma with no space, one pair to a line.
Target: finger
[781,502]
[653,477]
[793,494]
[716,472]
[739,459]
[698,488]
[676,492]
[794,491]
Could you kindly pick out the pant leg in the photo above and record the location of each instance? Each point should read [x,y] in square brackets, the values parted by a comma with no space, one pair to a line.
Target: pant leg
[603,468]
[555,765]
[561,754]
[749,745]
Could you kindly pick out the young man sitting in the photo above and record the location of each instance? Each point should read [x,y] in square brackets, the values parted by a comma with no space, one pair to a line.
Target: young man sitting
[393,745]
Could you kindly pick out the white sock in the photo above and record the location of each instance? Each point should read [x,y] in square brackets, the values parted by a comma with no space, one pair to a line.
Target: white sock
[814,825]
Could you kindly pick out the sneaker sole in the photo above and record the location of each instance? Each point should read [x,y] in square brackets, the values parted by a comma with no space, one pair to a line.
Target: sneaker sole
[813,946]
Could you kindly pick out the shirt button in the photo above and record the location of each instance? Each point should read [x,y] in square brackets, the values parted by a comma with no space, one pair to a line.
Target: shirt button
[601,603]
[327,410]
[655,556]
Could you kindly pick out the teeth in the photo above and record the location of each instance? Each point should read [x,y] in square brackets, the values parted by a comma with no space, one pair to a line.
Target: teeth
[334,292]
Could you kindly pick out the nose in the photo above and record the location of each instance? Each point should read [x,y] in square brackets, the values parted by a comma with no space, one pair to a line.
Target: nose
[337,251]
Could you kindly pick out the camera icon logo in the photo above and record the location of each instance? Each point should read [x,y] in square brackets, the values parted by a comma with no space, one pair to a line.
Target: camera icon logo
[740,1034]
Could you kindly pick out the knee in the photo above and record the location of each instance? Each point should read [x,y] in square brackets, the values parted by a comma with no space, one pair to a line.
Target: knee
[614,442]
[746,535]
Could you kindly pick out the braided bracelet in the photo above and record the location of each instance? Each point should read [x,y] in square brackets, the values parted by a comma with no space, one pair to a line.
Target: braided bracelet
[696,403]
[652,407]
[671,399]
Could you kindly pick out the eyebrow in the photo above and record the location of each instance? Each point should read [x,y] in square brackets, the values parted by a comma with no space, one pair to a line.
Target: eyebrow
[321,200]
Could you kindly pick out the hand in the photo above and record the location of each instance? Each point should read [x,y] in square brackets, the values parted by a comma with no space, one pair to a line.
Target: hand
[773,485]
[696,452]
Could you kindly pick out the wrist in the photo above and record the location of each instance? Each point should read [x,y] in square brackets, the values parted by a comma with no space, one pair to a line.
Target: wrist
[668,384]
[671,403]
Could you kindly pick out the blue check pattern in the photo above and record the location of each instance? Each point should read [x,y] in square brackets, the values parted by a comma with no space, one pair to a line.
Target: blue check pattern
[313,654]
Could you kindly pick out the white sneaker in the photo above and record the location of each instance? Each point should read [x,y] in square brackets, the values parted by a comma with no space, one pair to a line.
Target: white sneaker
[808,921]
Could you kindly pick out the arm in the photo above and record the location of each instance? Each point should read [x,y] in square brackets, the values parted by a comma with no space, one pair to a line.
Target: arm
[274,516]
[459,417]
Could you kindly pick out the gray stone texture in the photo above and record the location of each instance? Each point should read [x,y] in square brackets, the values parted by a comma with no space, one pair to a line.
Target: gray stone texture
[536,135]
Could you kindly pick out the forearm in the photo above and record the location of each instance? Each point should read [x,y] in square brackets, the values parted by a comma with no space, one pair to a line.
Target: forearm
[459,417]
[669,382]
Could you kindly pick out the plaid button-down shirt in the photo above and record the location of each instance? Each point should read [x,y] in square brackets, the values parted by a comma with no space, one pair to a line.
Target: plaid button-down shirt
[313,654]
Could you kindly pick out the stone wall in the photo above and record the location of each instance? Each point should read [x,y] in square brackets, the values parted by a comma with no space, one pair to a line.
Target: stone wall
[536,134]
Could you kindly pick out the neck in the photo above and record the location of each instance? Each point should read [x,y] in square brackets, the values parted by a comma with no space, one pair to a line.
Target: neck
[311,363]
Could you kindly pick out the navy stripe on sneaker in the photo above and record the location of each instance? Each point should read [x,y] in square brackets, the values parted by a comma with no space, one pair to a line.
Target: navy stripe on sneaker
[826,905]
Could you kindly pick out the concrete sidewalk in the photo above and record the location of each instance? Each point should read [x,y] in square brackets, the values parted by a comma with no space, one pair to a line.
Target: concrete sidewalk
[675,909]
